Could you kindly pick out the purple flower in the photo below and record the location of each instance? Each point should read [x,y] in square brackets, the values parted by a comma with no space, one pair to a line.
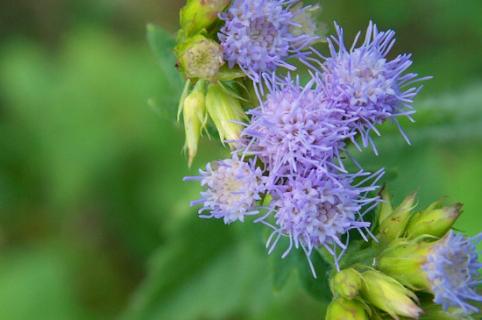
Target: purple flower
[260,35]
[294,129]
[232,188]
[368,86]
[316,208]
[454,272]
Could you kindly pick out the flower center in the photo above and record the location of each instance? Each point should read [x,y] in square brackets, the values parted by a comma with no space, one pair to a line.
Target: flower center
[262,31]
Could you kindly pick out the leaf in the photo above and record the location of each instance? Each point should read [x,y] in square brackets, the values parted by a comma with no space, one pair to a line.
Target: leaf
[282,268]
[450,117]
[317,287]
[162,45]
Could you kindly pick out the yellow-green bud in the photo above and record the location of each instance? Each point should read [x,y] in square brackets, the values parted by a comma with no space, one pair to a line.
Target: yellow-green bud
[194,115]
[197,15]
[403,260]
[386,208]
[389,295]
[200,58]
[344,309]
[394,225]
[225,111]
[434,221]
[347,283]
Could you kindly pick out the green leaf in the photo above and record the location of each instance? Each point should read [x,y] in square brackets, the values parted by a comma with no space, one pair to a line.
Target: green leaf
[317,287]
[162,45]
[282,268]
[450,117]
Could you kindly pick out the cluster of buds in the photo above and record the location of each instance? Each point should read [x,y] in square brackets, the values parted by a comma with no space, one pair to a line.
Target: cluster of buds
[200,58]
[416,256]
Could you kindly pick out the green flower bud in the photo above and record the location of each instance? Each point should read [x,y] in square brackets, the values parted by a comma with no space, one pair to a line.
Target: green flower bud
[194,114]
[403,260]
[389,295]
[200,57]
[394,225]
[435,220]
[347,283]
[386,208]
[343,309]
[225,111]
[197,15]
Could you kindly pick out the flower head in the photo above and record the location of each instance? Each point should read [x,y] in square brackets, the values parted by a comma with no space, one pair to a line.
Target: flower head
[294,129]
[258,35]
[316,208]
[453,271]
[232,188]
[368,86]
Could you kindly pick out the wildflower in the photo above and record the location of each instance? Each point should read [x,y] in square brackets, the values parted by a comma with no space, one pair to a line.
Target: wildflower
[316,209]
[232,188]
[453,271]
[389,295]
[294,128]
[343,309]
[366,85]
[257,36]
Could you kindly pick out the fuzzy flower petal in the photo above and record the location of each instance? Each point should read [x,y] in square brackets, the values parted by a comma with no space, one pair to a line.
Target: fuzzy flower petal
[260,35]
[232,188]
[295,129]
[454,272]
[318,208]
[368,86]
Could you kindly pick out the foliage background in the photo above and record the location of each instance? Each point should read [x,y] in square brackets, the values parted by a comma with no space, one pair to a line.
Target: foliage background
[94,217]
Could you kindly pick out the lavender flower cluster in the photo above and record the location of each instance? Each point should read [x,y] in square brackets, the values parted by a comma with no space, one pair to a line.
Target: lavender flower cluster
[289,166]
[297,137]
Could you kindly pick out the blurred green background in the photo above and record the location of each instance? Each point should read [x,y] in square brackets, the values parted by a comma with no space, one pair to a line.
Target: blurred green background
[94,216]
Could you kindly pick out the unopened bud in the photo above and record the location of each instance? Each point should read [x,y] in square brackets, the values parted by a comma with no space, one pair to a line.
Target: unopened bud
[344,309]
[386,208]
[347,283]
[225,111]
[403,260]
[394,225]
[194,114]
[200,58]
[389,295]
[434,221]
[200,14]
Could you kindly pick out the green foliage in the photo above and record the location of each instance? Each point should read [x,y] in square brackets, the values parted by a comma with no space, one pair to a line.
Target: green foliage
[94,216]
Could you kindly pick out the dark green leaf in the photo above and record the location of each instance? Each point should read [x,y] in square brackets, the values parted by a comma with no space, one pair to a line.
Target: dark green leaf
[317,287]
[282,268]
[162,45]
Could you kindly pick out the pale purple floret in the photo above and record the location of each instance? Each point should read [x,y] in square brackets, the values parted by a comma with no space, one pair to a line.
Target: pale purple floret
[453,270]
[261,35]
[316,208]
[295,129]
[232,188]
[368,86]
